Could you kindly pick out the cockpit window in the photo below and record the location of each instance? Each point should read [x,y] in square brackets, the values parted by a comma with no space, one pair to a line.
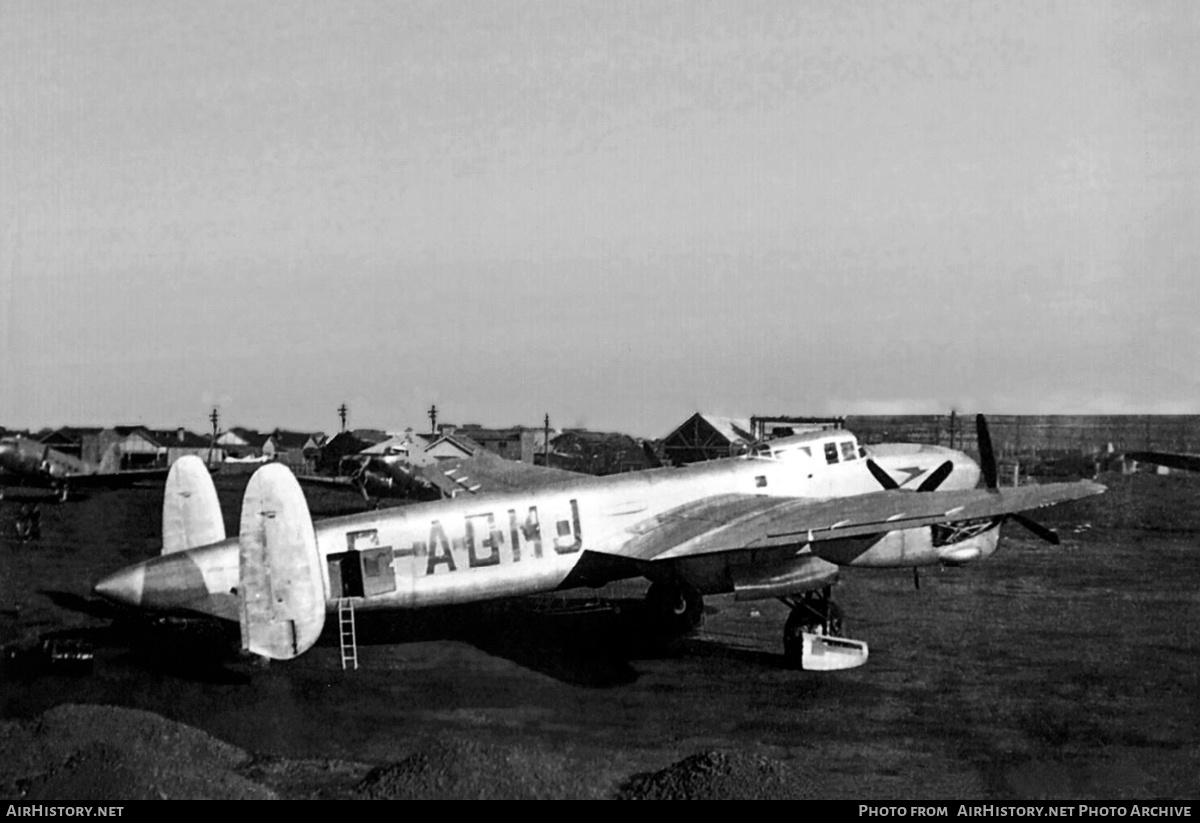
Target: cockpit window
[831,453]
[848,450]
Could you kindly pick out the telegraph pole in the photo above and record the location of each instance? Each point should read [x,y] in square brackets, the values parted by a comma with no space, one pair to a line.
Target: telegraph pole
[215,418]
[546,441]
[343,410]
[432,419]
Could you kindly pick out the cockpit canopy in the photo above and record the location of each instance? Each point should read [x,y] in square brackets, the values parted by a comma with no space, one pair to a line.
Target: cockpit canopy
[827,446]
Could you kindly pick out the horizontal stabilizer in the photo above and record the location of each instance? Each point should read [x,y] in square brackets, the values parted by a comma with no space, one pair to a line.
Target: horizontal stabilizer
[191,511]
[281,592]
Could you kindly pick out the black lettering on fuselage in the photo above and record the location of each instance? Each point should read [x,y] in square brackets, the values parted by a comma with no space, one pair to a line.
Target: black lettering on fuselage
[532,531]
[490,542]
[439,549]
[483,540]
[514,535]
[565,543]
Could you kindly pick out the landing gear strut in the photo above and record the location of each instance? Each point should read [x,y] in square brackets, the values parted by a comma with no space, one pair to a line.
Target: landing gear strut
[677,606]
[813,613]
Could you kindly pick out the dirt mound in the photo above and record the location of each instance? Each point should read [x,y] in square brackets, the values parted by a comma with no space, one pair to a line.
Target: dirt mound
[107,753]
[474,771]
[716,775]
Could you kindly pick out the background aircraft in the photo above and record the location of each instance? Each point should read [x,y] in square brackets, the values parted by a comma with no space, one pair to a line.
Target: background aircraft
[378,477]
[1189,462]
[777,523]
[26,465]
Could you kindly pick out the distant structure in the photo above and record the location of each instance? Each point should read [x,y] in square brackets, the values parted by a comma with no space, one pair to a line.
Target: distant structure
[516,443]
[764,427]
[709,436]
[1029,435]
[590,452]
[130,447]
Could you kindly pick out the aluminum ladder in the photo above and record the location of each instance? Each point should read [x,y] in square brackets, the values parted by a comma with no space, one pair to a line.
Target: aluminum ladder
[349,640]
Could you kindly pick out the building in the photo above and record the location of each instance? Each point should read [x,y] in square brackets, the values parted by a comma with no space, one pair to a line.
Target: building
[241,443]
[591,452]
[296,450]
[707,437]
[517,443]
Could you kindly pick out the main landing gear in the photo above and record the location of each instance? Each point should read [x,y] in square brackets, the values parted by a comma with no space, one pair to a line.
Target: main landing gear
[676,606]
[813,612]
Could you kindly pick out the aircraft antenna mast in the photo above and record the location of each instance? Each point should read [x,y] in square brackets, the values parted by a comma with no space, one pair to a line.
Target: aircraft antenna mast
[343,411]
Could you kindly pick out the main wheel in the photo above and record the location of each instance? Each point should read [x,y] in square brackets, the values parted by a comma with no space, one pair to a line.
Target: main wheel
[808,619]
[677,606]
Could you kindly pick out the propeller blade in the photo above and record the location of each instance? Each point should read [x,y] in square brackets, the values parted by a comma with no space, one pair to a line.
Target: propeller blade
[987,457]
[885,479]
[936,477]
[1047,534]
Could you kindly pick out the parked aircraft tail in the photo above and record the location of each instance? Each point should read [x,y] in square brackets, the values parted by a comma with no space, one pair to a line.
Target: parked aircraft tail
[191,511]
[281,591]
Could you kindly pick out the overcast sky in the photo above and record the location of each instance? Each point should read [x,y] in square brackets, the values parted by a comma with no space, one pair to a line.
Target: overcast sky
[617,213]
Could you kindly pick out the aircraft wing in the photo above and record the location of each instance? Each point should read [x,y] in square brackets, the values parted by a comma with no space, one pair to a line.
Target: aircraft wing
[114,480]
[344,483]
[1190,462]
[736,522]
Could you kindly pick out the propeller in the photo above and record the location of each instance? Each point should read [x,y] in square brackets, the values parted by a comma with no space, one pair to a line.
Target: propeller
[936,477]
[987,464]
[886,480]
[929,484]
[987,455]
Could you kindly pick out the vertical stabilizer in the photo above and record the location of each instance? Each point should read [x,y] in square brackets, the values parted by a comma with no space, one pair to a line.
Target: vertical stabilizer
[110,461]
[191,512]
[281,591]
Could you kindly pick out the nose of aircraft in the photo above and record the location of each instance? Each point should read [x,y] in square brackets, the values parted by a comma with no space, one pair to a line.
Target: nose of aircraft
[123,587]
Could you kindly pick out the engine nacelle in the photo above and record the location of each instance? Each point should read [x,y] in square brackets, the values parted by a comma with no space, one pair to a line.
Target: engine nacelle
[953,544]
[791,576]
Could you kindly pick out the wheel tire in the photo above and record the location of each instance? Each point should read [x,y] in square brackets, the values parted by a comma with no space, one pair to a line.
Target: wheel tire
[802,621]
[677,607]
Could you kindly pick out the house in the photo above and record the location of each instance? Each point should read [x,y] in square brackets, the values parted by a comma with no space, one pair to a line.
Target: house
[83,443]
[408,446]
[517,443]
[297,450]
[180,442]
[452,447]
[240,443]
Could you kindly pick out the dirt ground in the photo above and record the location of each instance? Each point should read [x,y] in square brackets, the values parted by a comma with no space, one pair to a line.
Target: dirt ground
[1065,673]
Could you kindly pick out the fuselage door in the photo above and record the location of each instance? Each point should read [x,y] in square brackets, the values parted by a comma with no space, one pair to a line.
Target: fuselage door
[367,568]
